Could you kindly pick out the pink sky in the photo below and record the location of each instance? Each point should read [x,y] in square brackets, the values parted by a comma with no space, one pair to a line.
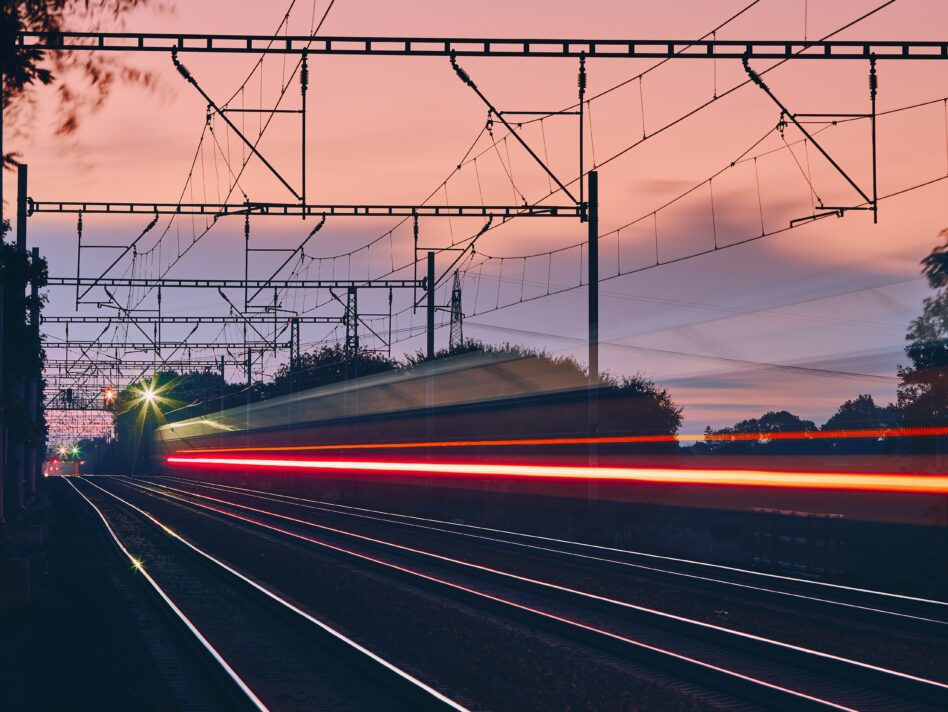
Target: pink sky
[835,294]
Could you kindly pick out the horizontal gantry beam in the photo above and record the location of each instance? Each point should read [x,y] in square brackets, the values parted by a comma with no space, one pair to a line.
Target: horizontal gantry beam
[220,319]
[217,210]
[480,47]
[164,345]
[115,366]
[173,282]
[79,391]
[95,404]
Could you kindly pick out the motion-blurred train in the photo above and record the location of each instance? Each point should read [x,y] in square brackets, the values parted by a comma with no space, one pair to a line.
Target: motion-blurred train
[484,413]
[460,401]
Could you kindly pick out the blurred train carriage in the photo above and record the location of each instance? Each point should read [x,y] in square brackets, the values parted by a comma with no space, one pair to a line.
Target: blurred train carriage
[468,398]
[483,406]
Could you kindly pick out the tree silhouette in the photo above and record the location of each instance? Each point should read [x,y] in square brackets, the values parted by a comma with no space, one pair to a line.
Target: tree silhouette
[329,364]
[780,421]
[82,80]
[23,354]
[923,391]
[862,413]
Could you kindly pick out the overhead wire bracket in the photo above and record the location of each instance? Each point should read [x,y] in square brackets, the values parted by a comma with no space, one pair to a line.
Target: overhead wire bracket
[466,78]
[870,203]
[183,71]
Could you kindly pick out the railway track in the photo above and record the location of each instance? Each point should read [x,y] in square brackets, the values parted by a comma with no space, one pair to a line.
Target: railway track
[268,651]
[888,613]
[857,604]
[763,671]
[465,648]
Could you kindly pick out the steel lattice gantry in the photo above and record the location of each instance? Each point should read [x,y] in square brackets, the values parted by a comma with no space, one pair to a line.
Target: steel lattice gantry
[482,47]
[300,210]
[170,346]
[165,319]
[198,283]
[582,208]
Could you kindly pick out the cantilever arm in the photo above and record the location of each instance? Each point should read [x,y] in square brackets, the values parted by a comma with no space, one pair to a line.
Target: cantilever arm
[756,78]
[210,102]
[469,246]
[129,316]
[237,311]
[108,269]
[312,233]
[466,78]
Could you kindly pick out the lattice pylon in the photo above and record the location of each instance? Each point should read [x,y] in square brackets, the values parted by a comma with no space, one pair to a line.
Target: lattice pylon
[352,321]
[456,339]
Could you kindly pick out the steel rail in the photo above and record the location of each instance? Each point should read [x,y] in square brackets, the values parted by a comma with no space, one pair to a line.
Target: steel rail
[874,677]
[421,693]
[213,654]
[825,588]
[864,611]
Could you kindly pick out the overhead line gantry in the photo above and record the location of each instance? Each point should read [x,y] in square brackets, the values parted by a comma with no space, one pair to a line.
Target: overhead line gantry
[585,208]
[184,319]
[198,283]
[171,346]
[481,47]
[217,210]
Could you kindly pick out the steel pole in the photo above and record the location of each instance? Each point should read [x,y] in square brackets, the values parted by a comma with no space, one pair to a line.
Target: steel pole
[19,448]
[430,352]
[34,404]
[430,306]
[592,224]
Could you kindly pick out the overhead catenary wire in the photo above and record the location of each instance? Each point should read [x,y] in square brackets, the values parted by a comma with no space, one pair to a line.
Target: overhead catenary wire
[732,362]
[494,142]
[701,253]
[743,157]
[703,105]
[189,180]
[388,234]
[730,19]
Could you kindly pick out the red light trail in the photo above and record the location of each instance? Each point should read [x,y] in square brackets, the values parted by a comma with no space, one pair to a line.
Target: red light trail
[616,440]
[873,482]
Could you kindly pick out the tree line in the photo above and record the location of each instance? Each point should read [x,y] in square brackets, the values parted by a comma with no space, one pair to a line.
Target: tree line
[921,402]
